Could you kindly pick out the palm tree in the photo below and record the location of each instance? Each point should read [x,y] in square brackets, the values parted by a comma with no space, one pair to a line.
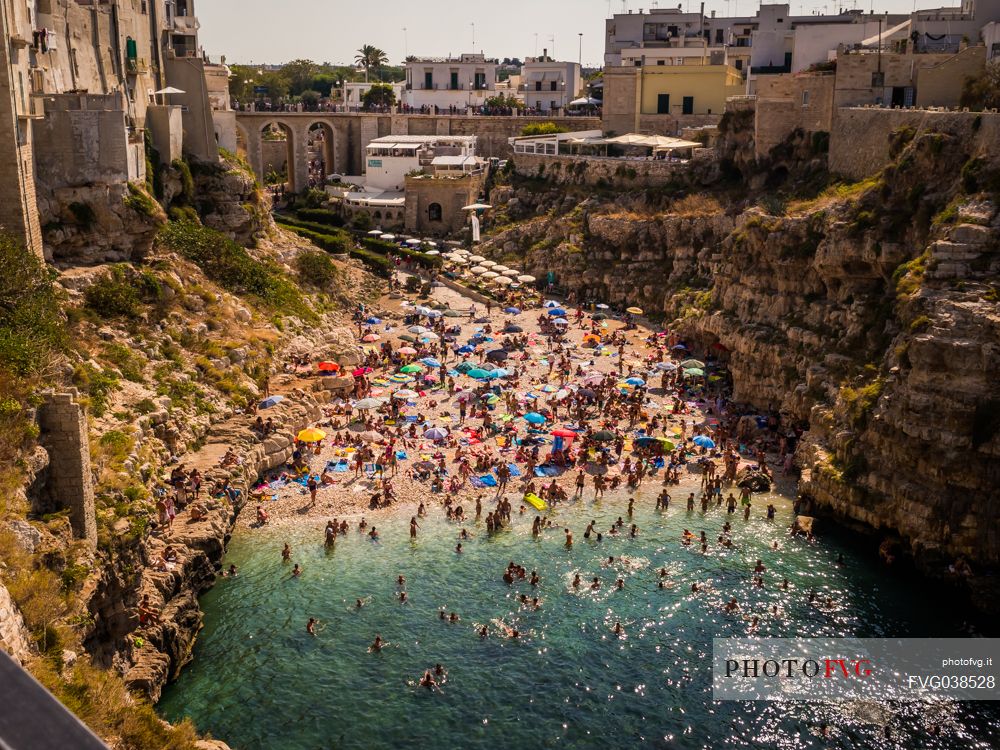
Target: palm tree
[370,56]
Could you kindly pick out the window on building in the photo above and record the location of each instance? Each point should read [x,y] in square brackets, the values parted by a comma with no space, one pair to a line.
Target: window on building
[661,62]
[739,64]
[553,86]
[687,105]
[672,31]
[480,81]
[805,98]
[434,212]
[428,80]
[453,81]
[663,104]
[378,214]
[538,85]
[719,36]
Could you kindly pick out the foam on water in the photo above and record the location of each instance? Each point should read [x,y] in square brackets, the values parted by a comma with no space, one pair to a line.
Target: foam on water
[259,680]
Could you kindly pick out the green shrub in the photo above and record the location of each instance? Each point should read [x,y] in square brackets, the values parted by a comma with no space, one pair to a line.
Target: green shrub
[361,221]
[31,327]
[381,246]
[543,128]
[320,216]
[186,195]
[232,267]
[184,213]
[316,269]
[140,202]
[112,296]
[314,198]
[129,363]
[97,384]
[377,263]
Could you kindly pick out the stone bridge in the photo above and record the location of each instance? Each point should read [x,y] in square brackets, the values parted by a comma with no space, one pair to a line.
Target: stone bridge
[347,134]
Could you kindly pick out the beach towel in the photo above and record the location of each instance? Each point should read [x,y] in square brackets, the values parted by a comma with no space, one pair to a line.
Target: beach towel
[514,471]
[487,480]
[401,455]
[477,482]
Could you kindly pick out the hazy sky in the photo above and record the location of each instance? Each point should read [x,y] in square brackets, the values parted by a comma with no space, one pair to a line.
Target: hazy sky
[276,31]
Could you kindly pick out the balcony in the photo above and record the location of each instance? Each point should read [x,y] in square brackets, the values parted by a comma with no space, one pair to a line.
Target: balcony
[35,108]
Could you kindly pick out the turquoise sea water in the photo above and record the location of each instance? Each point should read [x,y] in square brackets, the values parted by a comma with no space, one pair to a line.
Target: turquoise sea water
[259,680]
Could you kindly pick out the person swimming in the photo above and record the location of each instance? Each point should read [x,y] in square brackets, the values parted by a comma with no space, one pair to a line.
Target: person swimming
[296,571]
[377,644]
[311,626]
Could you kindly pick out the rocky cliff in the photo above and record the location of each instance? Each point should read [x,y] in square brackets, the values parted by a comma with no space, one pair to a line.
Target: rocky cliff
[867,313]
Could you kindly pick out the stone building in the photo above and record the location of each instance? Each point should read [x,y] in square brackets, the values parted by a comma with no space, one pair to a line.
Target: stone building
[99,65]
[434,202]
[549,85]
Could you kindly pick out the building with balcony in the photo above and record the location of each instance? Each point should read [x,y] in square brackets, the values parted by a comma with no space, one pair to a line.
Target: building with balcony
[450,84]
[548,85]
[398,165]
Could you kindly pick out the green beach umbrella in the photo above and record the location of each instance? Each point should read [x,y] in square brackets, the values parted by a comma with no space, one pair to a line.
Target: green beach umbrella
[694,372]
[412,368]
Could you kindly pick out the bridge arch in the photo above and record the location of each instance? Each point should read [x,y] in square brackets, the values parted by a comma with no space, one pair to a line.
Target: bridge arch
[277,141]
[322,141]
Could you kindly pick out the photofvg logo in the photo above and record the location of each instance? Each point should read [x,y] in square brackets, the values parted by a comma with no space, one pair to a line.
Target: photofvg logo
[834,669]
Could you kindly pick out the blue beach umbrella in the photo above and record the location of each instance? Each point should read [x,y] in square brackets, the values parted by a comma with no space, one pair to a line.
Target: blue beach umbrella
[430,362]
[534,417]
[512,310]
[479,374]
[467,349]
[704,441]
[557,312]
[500,373]
[635,381]
[551,303]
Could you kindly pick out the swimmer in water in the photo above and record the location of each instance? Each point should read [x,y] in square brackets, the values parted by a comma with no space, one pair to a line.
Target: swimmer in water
[402,597]
[576,581]
[428,681]
[358,604]
[619,630]
[453,618]
[458,548]
[376,644]
[401,581]
[596,584]
[620,584]
[732,605]
[373,534]
[311,626]
[296,571]
[483,632]
[286,553]
[569,538]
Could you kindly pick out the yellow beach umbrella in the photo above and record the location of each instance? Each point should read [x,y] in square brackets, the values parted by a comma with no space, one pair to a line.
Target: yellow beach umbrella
[634,310]
[311,435]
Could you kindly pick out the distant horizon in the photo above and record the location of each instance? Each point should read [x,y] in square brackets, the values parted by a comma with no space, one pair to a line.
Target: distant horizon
[301,29]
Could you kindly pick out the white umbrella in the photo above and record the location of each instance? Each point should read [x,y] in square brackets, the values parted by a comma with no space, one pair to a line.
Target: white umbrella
[388,237]
[412,241]
[430,243]
[432,252]
[526,278]
[478,270]
[417,329]
[500,269]
[460,261]
[373,232]
[490,275]
[476,258]
[429,336]
[487,263]
[476,207]
[170,90]
[504,281]
[368,403]
[404,393]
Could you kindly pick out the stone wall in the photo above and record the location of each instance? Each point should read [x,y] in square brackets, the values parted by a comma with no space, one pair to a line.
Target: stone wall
[69,483]
[859,140]
[450,194]
[592,170]
[789,102]
[84,139]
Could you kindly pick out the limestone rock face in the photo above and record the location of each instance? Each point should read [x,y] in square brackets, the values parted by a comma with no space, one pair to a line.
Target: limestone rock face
[14,637]
[861,319]
[96,223]
[228,199]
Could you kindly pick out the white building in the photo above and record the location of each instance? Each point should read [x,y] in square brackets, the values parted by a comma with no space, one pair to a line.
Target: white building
[549,85]
[353,92]
[450,83]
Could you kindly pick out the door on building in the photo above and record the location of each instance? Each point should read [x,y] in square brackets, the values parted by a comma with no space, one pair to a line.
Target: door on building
[903,96]
[687,105]
[428,80]
[663,104]
[454,80]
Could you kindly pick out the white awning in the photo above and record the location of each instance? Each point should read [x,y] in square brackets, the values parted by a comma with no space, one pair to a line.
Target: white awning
[454,161]
[887,34]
